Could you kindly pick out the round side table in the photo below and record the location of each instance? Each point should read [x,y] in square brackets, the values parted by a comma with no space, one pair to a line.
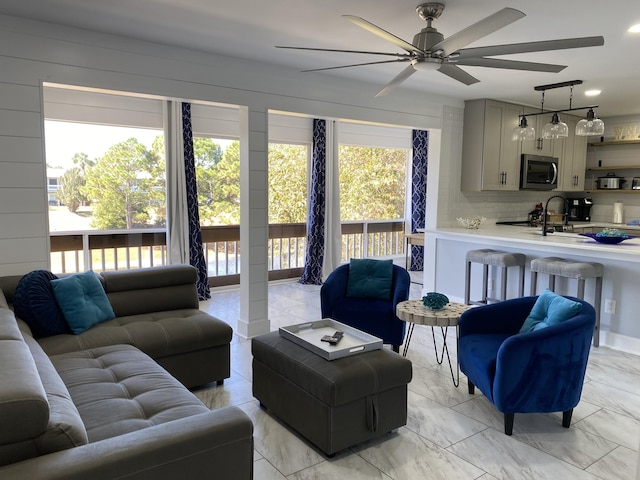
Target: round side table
[415,312]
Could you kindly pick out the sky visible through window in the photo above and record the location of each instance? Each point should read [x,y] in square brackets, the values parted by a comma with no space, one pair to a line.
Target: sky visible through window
[64,139]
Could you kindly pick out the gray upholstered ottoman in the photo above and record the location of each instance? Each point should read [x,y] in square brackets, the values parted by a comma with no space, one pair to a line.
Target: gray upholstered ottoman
[334,404]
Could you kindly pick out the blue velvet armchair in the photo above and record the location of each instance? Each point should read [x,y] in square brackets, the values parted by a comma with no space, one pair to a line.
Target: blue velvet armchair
[536,372]
[374,316]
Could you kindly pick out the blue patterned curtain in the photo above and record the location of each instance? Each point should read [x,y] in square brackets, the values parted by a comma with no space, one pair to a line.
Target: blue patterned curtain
[314,257]
[420,140]
[196,253]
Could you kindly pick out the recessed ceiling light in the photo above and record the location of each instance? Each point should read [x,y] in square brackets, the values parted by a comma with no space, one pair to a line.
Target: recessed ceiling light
[634,28]
[592,93]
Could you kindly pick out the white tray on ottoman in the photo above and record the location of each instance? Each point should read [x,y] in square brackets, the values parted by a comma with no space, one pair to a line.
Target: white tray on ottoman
[309,334]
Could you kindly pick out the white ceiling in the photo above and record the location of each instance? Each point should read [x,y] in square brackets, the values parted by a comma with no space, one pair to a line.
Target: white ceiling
[250,29]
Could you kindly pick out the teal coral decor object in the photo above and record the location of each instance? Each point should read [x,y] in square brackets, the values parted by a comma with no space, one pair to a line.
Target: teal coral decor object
[435,300]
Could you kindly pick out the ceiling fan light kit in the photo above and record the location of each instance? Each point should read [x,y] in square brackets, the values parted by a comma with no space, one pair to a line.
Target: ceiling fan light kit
[589,126]
[430,50]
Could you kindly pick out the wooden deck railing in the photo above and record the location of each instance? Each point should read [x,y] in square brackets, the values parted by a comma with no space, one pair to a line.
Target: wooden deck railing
[73,252]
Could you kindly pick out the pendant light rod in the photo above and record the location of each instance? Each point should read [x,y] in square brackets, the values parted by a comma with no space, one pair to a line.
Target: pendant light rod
[551,86]
[547,112]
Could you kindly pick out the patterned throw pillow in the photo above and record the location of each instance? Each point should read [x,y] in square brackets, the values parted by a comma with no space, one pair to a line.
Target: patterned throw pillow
[34,302]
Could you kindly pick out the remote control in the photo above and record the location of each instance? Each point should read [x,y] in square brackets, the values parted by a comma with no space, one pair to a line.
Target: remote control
[333,339]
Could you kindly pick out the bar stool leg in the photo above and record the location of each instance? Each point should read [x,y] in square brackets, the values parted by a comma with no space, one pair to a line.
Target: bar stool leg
[467,284]
[596,305]
[581,283]
[503,292]
[485,283]
[521,289]
[534,281]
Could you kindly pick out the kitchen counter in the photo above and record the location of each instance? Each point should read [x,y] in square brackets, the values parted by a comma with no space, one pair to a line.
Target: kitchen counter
[445,251]
[558,242]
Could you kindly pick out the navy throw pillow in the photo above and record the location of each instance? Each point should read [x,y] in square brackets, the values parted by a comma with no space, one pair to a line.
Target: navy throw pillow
[35,303]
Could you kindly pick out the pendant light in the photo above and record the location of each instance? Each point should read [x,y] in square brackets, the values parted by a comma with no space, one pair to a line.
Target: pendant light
[523,131]
[590,126]
[555,128]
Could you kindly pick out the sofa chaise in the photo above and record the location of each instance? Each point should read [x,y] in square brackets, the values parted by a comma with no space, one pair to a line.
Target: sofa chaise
[111,402]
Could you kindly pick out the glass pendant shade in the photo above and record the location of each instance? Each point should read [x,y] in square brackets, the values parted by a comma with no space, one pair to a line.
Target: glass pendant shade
[555,129]
[590,126]
[523,131]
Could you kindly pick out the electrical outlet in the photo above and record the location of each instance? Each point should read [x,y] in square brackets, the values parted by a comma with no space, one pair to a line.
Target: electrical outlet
[610,306]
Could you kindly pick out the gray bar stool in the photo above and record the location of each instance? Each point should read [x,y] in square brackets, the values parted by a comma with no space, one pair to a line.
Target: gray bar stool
[488,257]
[560,267]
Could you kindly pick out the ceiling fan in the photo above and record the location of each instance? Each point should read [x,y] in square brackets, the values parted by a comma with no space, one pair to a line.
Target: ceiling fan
[431,51]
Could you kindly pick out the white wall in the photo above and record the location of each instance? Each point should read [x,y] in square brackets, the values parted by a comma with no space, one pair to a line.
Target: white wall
[32,53]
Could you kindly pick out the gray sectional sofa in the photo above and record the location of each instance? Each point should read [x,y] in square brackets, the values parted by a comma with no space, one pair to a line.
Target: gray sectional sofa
[111,402]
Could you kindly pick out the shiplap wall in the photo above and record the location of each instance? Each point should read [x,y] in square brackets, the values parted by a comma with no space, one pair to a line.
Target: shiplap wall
[33,53]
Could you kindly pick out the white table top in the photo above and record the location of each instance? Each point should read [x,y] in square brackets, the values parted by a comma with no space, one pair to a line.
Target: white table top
[415,311]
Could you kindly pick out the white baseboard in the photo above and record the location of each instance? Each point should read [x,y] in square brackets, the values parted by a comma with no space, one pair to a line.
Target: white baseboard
[623,343]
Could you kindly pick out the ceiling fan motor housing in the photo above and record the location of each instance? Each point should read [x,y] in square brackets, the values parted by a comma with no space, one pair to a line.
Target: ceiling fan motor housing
[426,38]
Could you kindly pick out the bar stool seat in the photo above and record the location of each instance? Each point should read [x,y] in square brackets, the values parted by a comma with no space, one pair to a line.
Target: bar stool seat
[582,271]
[488,257]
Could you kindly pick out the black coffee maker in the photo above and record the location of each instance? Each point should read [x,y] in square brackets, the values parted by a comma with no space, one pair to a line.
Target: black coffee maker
[580,209]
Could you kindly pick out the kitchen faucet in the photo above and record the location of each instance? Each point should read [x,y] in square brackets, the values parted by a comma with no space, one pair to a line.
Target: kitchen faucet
[544,215]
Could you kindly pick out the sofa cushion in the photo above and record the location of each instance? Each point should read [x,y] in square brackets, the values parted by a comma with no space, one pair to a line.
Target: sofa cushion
[65,428]
[157,334]
[82,300]
[35,303]
[119,389]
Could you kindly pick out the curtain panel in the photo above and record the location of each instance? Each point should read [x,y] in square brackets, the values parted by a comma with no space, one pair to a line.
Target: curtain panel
[420,141]
[314,255]
[196,252]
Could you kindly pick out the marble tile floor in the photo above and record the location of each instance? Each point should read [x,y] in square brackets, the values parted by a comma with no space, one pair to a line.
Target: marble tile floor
[449,433]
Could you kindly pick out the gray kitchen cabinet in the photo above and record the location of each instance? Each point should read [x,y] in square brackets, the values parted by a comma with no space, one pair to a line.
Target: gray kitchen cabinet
[572,154]
[490,159]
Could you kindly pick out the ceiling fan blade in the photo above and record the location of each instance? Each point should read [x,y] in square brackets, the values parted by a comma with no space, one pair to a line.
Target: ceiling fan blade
[457,74]
[528,47]
[356,65]
[484,27]
[398,79]
[510,64]
[399,55]
[389,37]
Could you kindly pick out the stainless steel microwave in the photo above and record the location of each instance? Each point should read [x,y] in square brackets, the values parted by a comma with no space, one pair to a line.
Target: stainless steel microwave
[538,172]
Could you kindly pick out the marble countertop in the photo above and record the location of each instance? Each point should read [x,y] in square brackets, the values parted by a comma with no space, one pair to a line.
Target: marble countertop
[557,242]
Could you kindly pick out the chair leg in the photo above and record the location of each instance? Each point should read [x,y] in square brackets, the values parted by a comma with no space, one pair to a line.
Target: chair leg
[395,348]
[566,418]
[472,387]
[508,423]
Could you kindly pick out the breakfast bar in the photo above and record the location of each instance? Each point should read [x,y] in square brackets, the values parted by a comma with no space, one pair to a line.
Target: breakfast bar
[445,250]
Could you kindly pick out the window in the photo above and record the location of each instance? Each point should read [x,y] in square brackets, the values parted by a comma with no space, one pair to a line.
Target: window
[288,183]
[372,183]
[110,178]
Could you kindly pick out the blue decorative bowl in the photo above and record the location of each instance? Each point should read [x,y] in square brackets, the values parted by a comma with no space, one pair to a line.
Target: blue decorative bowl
[435,300]
[605,239]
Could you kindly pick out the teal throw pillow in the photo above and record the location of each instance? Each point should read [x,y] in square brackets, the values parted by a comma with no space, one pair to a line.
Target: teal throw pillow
[550,309]
[82,300]
[370,278]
